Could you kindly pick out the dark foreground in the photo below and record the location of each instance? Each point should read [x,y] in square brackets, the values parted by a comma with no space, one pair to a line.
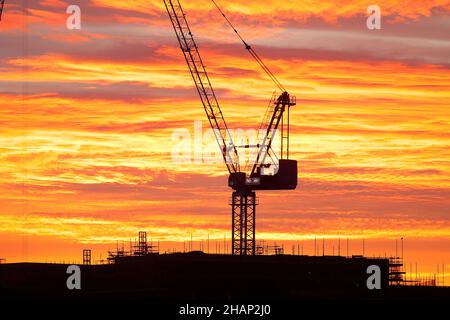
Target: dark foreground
[200,277]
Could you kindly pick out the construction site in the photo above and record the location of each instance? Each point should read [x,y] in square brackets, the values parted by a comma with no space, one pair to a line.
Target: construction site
[251,269]
[271,274]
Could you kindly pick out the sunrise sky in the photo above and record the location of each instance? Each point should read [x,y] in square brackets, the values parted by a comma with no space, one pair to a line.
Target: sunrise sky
[87,118]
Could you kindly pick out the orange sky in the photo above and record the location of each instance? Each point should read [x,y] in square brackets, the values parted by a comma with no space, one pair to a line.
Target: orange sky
[87,118]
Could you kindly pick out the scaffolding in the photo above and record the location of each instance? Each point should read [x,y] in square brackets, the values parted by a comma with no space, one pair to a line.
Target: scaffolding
[139,248]
[87,261]
[264,249]
[396,273]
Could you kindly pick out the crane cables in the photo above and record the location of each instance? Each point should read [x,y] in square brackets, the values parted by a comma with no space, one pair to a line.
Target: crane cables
[252,52]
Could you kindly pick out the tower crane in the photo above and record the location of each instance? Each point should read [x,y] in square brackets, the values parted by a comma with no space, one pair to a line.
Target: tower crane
[267,172]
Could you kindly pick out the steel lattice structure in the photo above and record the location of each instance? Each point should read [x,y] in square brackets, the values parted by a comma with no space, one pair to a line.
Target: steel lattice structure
[243,206]
[203,84]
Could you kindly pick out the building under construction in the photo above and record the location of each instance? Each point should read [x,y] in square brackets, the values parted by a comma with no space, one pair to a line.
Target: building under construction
[201,276]
[145,273]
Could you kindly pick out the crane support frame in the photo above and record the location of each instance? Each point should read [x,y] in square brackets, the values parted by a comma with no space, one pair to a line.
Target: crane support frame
[243,208]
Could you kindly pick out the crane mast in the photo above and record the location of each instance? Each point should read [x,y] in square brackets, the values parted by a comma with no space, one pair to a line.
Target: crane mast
[203,84]
[243,200]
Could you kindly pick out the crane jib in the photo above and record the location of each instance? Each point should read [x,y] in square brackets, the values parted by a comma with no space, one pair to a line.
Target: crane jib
[266,162]
[203,84]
